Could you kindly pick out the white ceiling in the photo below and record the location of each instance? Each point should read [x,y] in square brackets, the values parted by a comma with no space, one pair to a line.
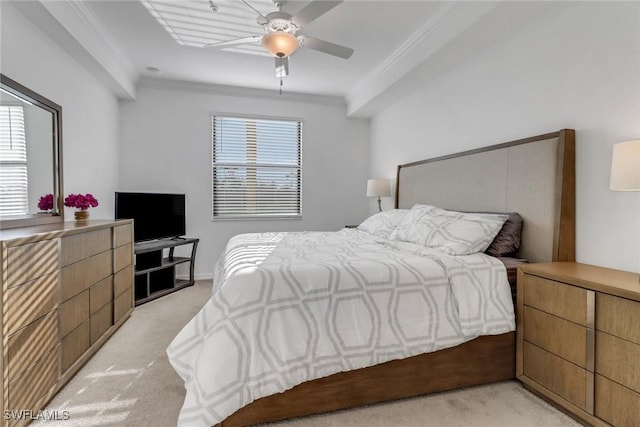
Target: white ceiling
[196,23]
[373,29]
[398,45]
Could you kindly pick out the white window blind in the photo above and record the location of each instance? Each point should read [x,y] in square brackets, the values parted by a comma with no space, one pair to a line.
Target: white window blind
[256,167]
[13,162]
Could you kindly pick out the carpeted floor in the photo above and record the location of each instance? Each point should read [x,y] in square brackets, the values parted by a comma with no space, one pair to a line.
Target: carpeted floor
[129,382]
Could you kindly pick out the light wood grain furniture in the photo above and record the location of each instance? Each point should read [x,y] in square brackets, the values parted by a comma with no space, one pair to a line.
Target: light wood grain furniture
[579,340]
[66,288]
[487,179]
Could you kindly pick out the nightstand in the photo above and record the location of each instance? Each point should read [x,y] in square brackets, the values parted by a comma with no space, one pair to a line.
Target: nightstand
[578,339]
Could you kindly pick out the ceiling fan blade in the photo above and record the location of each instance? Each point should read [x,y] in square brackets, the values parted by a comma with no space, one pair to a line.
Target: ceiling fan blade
[282,67]
[244,40]
[254,9]
[313,10]
[326,47]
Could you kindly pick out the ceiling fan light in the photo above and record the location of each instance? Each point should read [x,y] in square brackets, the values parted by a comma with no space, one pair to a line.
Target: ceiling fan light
[280,44]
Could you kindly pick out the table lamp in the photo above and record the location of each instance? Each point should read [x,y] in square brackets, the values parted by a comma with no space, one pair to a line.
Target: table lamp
[378,188]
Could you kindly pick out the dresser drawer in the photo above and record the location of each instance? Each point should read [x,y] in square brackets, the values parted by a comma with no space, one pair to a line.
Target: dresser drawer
[123,280]
[75,344]
[29,390]
[30,301]
[79,276]
[100,294]
[556,335]
[123,304]
[122,235]
[29,344]
[618,316]
[73,312]
[80,246]
[556,374]
[122,257]
[616,360]
[27,262]
[616,404]
[101,321]
[559,299]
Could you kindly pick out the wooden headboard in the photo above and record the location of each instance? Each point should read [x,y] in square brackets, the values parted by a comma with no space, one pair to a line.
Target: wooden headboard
[533,176]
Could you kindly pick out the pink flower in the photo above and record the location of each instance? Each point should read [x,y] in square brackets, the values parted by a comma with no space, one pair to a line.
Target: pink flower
[46,202]
[80,201]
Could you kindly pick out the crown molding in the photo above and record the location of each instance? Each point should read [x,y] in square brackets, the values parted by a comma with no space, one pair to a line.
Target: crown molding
[459,32]
[238,91]
[74,27]
[450,22]
[407,49]
[102,36]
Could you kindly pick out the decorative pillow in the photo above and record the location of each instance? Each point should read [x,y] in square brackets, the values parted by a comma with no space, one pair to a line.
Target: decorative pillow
[507,241]
[384,223]
[455,233]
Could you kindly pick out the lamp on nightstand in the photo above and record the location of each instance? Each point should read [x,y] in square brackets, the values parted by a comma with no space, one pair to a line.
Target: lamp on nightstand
[625,166]
[378,188]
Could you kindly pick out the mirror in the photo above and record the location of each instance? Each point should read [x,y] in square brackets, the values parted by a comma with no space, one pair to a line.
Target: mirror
[30,157]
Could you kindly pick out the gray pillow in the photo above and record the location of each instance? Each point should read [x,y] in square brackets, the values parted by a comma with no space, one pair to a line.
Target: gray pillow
[507,241]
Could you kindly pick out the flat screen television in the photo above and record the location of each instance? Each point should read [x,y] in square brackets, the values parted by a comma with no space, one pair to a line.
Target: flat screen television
[155,215]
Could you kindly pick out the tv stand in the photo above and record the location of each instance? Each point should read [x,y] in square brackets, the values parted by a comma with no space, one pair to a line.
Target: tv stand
[155,275]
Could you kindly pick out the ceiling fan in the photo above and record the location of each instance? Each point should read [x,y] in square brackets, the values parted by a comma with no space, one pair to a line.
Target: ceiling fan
[281,36]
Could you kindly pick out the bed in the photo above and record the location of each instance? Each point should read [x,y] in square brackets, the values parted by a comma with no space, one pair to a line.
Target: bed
[532,176]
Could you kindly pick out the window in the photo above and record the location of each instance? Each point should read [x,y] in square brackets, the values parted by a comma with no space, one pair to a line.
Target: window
[256,168]
[13,162]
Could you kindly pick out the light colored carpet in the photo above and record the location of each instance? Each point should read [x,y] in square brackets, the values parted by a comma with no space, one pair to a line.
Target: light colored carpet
[129,382]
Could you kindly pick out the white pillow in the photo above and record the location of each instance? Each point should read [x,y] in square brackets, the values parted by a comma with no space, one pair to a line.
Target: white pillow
[455,233]
[384,223]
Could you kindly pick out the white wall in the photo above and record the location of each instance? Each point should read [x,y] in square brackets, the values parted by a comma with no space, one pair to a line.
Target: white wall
[577,67]
[166,147]
[89,110]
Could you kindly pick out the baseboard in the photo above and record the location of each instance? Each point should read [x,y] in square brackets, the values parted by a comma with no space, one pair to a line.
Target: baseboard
[204,276]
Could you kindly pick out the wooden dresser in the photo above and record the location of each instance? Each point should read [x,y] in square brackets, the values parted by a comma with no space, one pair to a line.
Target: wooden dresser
[66,288]
[578,340]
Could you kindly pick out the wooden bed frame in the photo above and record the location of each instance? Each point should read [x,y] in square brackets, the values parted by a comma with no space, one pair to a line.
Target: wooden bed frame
[483,360]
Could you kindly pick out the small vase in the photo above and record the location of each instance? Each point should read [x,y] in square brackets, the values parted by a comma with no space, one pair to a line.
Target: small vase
[81,215]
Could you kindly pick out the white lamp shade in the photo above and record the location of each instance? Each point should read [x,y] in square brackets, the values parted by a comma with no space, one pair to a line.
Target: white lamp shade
[378,188]
[625,166]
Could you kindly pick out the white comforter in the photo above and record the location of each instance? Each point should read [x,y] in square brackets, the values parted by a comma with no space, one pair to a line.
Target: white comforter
[291,307]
